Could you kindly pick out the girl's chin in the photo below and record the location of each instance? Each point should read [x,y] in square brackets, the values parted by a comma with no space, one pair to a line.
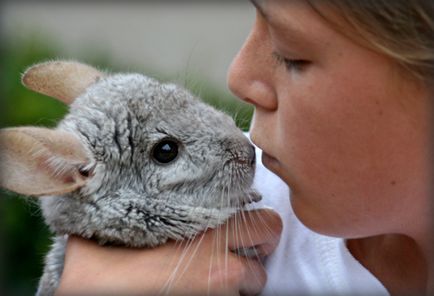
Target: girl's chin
[307,218]
[314,219]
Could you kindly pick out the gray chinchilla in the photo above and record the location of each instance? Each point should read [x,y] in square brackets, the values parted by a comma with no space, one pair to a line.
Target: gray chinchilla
[135,162]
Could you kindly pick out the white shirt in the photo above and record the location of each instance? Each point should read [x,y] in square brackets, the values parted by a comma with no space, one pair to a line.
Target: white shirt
[307,263]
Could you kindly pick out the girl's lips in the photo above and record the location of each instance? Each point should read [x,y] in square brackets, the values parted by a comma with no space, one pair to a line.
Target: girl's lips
[267,160]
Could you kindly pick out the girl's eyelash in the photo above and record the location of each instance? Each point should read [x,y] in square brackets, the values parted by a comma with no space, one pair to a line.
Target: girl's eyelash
[290,64]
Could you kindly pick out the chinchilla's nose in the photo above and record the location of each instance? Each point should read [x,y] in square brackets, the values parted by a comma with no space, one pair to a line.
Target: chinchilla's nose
[252,155]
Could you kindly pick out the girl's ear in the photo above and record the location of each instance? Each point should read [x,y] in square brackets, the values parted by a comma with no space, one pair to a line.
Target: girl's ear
[40,161]
[63,80]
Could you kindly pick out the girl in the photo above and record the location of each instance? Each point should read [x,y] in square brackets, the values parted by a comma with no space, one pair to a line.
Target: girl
[343,114]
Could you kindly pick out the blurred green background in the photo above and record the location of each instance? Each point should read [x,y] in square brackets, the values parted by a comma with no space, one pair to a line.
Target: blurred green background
[24,237]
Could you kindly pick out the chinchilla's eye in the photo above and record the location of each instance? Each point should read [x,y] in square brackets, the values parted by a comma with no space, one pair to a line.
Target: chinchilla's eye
[165,151]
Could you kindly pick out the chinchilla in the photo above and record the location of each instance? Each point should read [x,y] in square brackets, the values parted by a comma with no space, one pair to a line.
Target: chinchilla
[135,162]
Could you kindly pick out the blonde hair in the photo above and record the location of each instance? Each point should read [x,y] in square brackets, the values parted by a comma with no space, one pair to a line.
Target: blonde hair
[401,29]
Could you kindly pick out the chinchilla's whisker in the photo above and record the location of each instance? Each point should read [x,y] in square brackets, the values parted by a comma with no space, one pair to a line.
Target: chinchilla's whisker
[166,288]
[267,229]
[242,243]
[237,228]
[185,253]
[256,275]
[254,230]
[248,232]
[227,240]
[192,256]
[186,257]
[217,244]
[235,115]
[210,266]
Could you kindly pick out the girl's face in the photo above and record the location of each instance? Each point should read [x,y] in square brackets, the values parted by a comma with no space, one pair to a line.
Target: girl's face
[339,123]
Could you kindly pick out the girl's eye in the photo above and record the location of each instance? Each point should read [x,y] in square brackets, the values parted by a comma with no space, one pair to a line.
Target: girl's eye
[291,64]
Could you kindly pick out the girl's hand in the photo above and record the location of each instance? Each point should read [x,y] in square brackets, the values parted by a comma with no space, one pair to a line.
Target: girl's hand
[204,265]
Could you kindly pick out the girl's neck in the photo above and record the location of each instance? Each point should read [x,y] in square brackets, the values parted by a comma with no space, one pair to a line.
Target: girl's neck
[401,264]
[426,245]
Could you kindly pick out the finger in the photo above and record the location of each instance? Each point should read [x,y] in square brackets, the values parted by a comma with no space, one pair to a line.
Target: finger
[242,276]
[254,279]
[75,248]
[257,228]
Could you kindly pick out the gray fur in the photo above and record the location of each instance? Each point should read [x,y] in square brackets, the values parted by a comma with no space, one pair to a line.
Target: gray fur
[129,198]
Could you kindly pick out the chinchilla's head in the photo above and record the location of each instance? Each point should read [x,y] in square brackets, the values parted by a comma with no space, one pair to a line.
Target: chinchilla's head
[131,150]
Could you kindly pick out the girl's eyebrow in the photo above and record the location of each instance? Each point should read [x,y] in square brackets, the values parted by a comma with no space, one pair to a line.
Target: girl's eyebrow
[290,30]
[260,9]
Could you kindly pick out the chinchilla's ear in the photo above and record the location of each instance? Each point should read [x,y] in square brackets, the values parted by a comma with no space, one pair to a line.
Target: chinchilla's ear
[63,80]
[40,161]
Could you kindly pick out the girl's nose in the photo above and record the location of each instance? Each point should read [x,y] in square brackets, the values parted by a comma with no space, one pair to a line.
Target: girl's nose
[251,73]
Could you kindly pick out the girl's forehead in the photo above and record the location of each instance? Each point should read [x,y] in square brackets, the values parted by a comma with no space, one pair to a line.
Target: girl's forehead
[297,23]
[282,14]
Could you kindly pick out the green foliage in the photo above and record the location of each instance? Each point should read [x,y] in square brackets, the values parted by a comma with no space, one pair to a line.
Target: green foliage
[24,238]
